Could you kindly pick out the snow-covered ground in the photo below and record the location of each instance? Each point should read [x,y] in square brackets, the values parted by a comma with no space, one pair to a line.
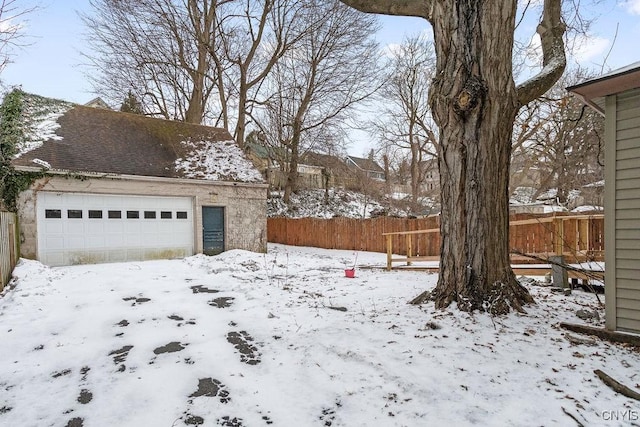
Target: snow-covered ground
[285,339]
[311,204]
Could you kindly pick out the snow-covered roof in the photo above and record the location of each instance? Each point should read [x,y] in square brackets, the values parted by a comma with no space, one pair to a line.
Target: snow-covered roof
[75,138]
[216,161]
[40,121]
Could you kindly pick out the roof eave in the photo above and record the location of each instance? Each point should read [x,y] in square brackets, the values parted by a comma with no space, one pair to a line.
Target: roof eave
[593,91]
[105,175]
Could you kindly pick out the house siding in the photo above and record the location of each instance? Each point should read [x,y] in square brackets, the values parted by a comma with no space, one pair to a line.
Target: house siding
[245,206]
[623,113]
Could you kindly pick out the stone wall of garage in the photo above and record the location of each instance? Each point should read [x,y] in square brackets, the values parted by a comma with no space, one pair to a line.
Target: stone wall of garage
[245,205]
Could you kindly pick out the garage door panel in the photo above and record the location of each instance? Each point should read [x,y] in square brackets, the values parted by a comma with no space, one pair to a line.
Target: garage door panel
[55,243]
[114,240]
[150,227]
[95,242]
[53,227]
[74,242]
[75,227]
[97,227]
[86,228]
[113,226]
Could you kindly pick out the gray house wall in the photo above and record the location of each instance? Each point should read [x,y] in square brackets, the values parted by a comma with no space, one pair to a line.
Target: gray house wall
[245,205]
[622,211]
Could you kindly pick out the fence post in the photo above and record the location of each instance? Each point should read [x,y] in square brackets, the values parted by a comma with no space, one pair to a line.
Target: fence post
[583,233]
[389,236]
[9,246]
[409,249]
[558,272]
[558,236]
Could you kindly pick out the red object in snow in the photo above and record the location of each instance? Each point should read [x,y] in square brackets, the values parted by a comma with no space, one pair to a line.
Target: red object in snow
[350,272]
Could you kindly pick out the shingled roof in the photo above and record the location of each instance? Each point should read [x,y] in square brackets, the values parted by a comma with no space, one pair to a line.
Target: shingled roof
[366,164]
[75,138]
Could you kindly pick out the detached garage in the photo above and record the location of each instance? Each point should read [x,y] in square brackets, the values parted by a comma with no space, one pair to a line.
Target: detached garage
[108,186]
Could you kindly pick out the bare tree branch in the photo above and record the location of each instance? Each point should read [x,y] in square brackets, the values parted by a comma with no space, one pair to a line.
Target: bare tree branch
[417,8]
[315,86]
[551,31]
[11,35]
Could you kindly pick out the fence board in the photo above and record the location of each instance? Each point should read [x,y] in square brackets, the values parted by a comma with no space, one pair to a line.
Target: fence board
[8,246]
[582,237]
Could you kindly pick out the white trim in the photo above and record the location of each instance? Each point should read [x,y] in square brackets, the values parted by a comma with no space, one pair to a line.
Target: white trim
[610,124]
[99,175]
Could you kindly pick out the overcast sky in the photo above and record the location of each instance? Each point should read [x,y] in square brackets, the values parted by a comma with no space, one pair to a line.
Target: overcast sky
[51,65]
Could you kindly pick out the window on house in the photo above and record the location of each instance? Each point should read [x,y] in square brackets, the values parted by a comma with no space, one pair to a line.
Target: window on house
[133,214]
[115,214]
[52,213]
[74,213]
[149,214]
[95,214]
[165,215]
[181,215]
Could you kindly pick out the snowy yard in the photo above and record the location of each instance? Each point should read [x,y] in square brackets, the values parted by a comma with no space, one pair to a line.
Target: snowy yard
[284,339]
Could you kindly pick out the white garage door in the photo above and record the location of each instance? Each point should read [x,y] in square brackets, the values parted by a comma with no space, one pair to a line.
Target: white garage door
[87,228]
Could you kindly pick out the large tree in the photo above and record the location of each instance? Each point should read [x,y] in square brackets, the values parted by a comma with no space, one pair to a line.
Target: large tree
[404,121]
[315,87]
[474,100]
[192,60]
[562,143]
[158,50]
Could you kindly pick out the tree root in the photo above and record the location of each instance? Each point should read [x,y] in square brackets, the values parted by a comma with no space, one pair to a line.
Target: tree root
[422,298]
[616,386]
[572,416]
[499,300]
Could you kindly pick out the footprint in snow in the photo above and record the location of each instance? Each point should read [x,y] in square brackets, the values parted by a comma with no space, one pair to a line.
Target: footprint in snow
[211,387]
[199,289]
[85,396]
[120,355]
[172,347]
[136,300]
[180,320]
[222,302]
[249,353]
[75,422]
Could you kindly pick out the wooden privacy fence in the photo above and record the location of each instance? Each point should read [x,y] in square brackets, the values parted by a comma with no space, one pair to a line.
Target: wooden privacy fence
[577,237]
[349,233]
[8,246]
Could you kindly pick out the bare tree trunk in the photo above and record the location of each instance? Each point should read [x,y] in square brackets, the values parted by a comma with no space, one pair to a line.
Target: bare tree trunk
[416,177]
[291,184]
[474,152]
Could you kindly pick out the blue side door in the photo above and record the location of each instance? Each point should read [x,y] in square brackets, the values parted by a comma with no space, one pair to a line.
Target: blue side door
[212,230]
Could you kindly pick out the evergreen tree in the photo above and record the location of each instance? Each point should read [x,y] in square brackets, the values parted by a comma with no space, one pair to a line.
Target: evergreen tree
[131,104]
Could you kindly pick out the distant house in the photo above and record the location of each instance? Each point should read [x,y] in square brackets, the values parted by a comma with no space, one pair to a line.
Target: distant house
[333,171]
[315,170]
[617,96]
[98,103]
[367,167]
[115,186]
[430,176]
